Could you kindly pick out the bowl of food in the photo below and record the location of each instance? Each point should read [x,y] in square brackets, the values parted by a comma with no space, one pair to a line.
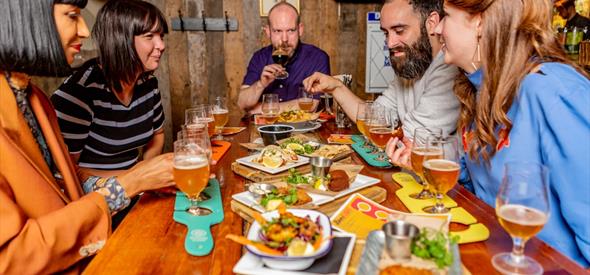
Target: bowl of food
[271,133]
[292,239]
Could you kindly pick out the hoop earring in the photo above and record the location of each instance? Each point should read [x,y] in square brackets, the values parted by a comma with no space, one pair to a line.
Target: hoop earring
[476,59]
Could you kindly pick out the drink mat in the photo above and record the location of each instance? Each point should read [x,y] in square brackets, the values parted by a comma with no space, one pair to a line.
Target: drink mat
[219,148]
[474,233]
[368,157]
[198,240]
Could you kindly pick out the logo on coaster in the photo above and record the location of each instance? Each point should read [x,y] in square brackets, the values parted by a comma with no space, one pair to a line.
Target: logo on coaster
[198,235]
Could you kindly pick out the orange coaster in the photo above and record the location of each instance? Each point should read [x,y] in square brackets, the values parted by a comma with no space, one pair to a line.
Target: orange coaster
[219,148]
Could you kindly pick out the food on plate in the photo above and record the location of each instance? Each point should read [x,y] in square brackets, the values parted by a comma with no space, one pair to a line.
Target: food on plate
[434,245]
[338,180]
[298,146]
[335,181]
[273,156]
[284,195]
[296,116]
[290,234]
[331,151]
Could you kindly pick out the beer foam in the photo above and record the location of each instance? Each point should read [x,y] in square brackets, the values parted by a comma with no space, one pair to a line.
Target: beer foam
[443,165]
[523,215]
[220,111]
[422,151]
[191,162]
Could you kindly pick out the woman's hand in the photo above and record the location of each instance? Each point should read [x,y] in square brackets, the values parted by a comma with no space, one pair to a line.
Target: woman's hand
[399,156]
[146,175]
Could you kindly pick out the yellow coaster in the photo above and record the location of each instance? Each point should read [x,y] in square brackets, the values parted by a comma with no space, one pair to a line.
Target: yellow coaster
[416,205]
[460,215]
[475,233]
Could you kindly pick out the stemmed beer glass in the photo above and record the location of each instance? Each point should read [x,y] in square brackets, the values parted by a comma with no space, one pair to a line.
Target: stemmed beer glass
[441,170]
[522,207]
[305,100]
[419,153]
[201,114]
[362,118]
[191,172]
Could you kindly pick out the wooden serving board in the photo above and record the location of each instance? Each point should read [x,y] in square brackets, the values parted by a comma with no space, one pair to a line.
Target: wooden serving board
[375,193]
[256,175]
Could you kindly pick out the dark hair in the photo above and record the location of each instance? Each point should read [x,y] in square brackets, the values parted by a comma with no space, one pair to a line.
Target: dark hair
[29,39]
[425,7]
[117,23]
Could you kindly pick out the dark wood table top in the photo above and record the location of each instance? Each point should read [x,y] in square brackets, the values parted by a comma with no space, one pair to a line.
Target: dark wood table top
[149,241]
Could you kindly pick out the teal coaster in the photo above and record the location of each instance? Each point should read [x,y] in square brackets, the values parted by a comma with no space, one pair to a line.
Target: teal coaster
[368,157]
[199,241]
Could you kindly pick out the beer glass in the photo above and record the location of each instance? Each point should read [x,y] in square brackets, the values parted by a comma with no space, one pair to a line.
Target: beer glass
[305,100]
[191,171]
[418,153]
[362,117]
[201,114]
[381,127]
[270,108]
[200,133]
[220,115]
[441,168]
[522,208]
[281,57]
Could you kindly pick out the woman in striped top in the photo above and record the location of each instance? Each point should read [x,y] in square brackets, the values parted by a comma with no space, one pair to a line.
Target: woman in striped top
[110,109]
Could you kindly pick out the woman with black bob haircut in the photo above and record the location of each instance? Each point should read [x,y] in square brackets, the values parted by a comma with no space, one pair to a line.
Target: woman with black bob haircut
[110,109]
[52,215]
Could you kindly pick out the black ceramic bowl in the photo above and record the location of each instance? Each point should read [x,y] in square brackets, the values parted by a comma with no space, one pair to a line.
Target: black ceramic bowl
[271,133]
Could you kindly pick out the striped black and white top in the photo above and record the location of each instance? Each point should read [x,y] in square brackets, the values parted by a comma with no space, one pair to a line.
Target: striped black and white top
[95,124]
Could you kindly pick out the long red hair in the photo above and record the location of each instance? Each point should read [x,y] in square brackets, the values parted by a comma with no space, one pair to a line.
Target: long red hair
[516,37]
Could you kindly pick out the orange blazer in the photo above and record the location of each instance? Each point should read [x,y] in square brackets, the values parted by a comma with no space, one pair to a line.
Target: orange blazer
[45,226]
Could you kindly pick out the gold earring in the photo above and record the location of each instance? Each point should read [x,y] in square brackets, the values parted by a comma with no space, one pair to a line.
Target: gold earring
[476,59]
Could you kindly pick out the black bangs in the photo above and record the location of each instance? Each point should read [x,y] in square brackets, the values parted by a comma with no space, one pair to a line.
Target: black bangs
[154,22]
[78,3]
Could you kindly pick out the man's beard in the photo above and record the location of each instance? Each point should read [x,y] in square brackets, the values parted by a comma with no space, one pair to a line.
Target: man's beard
[415,61]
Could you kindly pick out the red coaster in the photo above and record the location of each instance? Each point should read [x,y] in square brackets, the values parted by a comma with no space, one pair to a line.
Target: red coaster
[219,148]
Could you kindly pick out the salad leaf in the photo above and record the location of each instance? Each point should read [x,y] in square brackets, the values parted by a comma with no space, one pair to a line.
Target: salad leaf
[295,177]
[434,245]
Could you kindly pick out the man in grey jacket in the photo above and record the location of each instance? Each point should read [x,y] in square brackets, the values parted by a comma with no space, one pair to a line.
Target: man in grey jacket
[422,90]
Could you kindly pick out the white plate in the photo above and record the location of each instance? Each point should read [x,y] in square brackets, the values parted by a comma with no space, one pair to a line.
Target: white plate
[250,264]
[360,182]
[248,162]
[309,126]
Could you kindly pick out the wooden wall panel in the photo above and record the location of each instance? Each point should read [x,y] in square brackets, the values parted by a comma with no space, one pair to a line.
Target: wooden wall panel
[197,66]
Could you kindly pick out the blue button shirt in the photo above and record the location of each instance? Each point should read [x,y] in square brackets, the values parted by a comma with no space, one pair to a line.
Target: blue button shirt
[550,125]
[306,60]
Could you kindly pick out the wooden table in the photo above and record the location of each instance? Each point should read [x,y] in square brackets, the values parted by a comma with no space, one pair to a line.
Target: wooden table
[149,241]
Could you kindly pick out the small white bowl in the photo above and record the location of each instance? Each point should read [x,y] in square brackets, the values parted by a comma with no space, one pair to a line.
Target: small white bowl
[292,262]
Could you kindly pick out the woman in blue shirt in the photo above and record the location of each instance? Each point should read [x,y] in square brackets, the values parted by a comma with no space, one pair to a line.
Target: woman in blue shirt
[522,100]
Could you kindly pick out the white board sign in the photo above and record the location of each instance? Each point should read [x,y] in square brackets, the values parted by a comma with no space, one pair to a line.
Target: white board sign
[377,65]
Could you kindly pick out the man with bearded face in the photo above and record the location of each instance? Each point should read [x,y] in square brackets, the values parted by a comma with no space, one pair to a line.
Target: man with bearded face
[284,31]
[421,92]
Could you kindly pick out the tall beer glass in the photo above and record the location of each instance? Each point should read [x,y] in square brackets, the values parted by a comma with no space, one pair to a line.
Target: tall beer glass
[418,154]
[280,56]
[220,115]
[191,171]
[270,108]
[441,168]
[522,207]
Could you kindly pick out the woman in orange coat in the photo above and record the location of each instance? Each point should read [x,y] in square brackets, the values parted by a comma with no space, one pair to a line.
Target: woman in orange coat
[51,216]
